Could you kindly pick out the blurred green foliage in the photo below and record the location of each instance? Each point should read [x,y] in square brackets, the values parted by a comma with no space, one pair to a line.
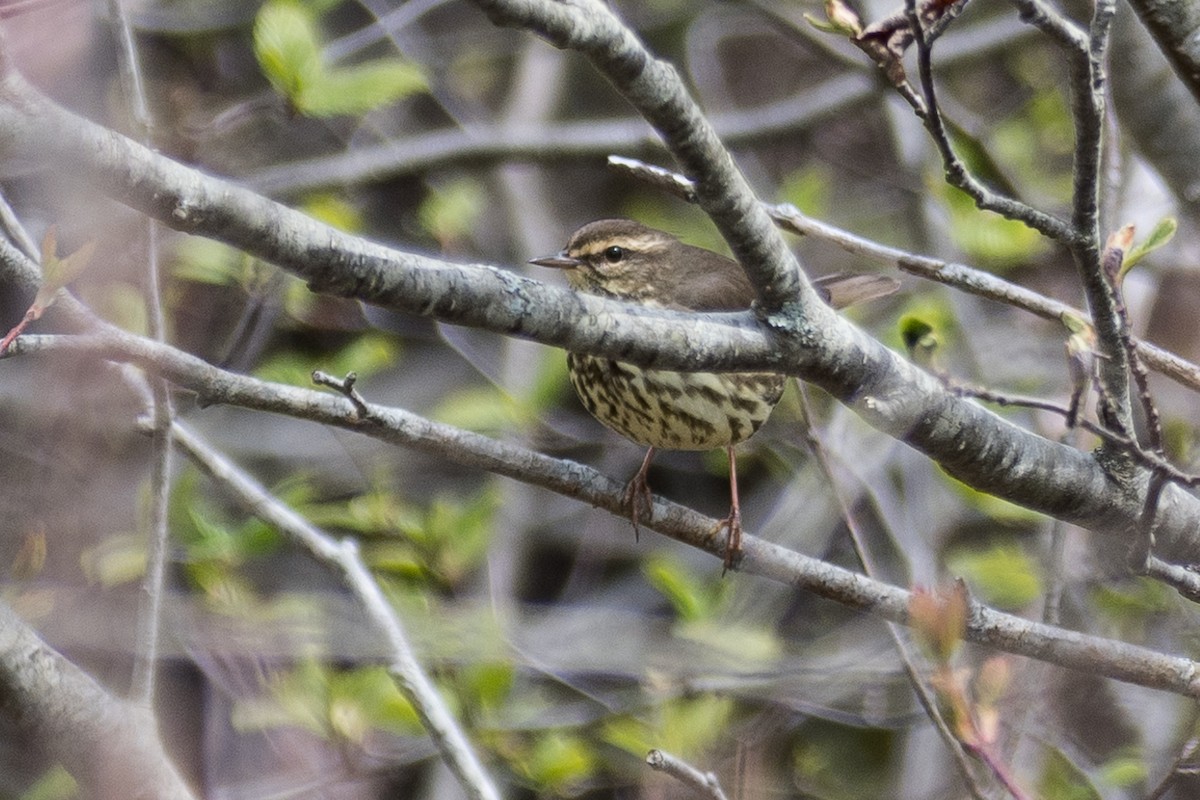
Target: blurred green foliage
[1061,779]
[693,598]
[438,545]
[809,189]
[686,727]
[987,238]
[998,510]
[1126,770]
[364,355]
[333,703]
[1002,574]
[822,751]
[54,784]
[490,409]
[555,763]
[451,210]
[287,44]
[1130,605]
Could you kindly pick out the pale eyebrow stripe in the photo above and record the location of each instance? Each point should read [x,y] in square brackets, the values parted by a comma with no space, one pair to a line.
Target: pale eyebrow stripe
[640,244]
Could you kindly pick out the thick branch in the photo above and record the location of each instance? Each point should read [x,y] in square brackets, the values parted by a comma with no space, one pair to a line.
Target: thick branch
[1175,25]
[986,626]
[108,745]
[656,90]
[971,443]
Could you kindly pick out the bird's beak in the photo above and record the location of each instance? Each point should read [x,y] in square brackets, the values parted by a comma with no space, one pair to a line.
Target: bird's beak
[558,261]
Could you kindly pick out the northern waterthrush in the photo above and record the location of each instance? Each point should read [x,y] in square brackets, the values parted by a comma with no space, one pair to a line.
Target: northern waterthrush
[663,409]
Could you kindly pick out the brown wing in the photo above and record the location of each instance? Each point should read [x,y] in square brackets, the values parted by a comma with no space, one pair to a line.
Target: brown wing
[841,290]
[711,282]
[716,283]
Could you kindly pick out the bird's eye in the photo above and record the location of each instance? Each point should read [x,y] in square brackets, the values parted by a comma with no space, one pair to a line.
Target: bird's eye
[614,254]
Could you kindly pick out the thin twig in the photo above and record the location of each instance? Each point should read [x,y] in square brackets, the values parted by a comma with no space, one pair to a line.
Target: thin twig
[1069,649]
[956,172]
[439,723]
[1085,54]
[1178,766]
[150,614]
[703,783]
[655,88]
[1001,770]
[959,276]
[1111,263]
[1183,580]
[16,232]
[345,386]
[925,697]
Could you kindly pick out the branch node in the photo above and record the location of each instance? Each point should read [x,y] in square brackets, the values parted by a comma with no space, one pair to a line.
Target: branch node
[344,386]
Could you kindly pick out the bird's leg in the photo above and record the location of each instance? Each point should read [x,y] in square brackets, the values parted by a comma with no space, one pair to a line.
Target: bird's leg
[637,493]
[733,542]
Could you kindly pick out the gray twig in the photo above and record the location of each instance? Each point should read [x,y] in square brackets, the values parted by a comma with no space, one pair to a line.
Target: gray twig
[703,783]
[435,717]
[1107,657]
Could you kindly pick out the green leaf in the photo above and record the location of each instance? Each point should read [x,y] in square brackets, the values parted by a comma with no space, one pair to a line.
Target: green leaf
[986,236]
[823,750]
[920,339]
[997,509]
[693,598]
[58,272]
[366,699]
[486,685]
[365,355]
[685,726]
[1003,575]
[117,560]
[1126,771]
[120,303]
[927,327]
[630,734]
[549,383]
[224,590]
[333,209]
[296,697]
[451,211]
[1162,233]
[460,533]
[741,645]
[1033,146]
[1062,780]
[809,190]
[1131,603]
[54,784]
[360,88]
[839,18]
[482,409]
[205,261]
[558,763]
[691,725]
[378,511]
[288,48]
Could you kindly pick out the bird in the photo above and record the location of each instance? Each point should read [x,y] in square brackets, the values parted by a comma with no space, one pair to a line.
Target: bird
[665,409]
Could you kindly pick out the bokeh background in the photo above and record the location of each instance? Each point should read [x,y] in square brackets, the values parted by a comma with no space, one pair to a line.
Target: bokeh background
[567,647]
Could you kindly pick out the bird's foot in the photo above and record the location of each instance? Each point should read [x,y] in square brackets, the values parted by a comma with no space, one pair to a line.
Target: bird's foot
[637,497]
[733,539]
[638,500]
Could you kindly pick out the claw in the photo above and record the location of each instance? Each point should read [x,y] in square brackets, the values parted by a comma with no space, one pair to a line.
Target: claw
[733,539]
[637,495]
